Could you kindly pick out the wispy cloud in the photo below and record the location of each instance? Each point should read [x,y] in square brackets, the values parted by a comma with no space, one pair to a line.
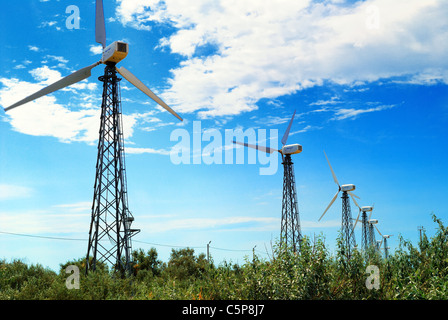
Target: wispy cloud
[76,207]
[132,150]
[58,219]
[237,223]
[34,48]
[8,191]
[352,113]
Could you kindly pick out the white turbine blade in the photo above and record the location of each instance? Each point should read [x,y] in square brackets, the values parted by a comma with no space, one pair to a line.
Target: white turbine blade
[334,198]
[354,195]
[100,25]
[137,83]
[373,206]
[357,218]
[253,146]
[377,230]
[286,135]
[64,82]
[353,198]
[332,172]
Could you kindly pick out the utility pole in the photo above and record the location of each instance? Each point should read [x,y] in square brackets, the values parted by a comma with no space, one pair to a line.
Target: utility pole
[208,251]
[420,229]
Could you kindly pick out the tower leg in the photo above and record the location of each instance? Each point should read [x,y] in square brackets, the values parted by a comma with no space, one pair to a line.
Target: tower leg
[364,235]
[372,240]
[290,225]
[110,227]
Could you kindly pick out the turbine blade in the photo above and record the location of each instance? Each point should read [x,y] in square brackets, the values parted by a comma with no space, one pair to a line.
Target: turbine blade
[137,83]
[373,206]
[332,172]
[353,198]
[332,200]
[100,25]
[377,230]
[253,146]
[357,218]
[286,135]
[354,195]
[64,82]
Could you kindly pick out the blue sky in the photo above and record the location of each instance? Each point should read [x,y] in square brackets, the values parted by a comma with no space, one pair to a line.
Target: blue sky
[368,80]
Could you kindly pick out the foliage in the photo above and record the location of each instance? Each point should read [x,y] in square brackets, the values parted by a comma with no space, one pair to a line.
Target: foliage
[411,272]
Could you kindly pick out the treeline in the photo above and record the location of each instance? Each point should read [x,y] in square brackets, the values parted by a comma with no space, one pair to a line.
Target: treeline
[411,272]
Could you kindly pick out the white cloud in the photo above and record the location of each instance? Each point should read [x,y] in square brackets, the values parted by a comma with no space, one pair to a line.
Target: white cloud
[321,224]
[96,49]
[8,191]
[46,75]
[34,48]
[267,49]
[48,221]
[131,150]
[76,207]
[347,113]
[224,224]
[55,119]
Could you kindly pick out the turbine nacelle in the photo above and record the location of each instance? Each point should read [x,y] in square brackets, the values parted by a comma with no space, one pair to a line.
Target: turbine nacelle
[291,149]
[367,209]
[347,187]
[373,221]
[115,52]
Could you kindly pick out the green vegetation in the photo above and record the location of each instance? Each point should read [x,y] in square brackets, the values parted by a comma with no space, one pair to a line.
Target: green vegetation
[410,272]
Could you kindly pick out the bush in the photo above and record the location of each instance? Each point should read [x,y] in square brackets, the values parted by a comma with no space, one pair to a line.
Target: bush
[411,272]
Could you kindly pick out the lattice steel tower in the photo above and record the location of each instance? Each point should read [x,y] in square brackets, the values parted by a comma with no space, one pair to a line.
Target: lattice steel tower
[110,227]
[372,238]
[365,232]
[290,234]
[367,228]
[348,234]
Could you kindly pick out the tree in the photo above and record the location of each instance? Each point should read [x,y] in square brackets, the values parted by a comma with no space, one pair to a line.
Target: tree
[184,264]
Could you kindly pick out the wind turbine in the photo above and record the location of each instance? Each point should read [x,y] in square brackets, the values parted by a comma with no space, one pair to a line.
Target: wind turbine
[111,218]
[383,239]
[348,235]
[372,226]
[365,234]
[386,248]
[290,234]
